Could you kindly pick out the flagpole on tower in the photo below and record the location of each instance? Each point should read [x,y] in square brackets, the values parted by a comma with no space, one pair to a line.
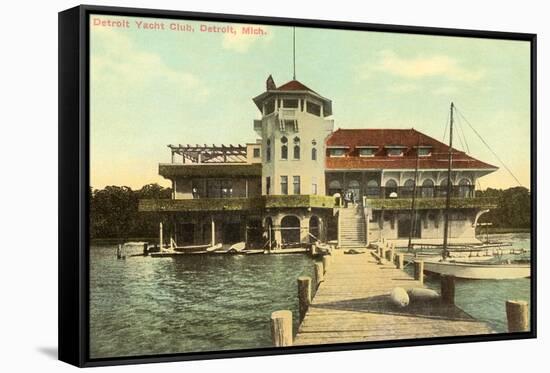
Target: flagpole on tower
[294,53]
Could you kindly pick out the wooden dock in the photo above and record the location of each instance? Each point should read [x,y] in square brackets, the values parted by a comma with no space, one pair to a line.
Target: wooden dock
[352,304]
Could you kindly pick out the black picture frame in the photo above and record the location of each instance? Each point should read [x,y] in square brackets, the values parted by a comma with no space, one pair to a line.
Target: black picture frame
[74,182]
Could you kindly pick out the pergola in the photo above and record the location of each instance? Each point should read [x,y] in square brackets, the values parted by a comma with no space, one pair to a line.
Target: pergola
[209,154]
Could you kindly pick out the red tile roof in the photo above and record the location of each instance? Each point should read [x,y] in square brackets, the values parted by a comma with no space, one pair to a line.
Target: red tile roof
[294,85]
[409,138]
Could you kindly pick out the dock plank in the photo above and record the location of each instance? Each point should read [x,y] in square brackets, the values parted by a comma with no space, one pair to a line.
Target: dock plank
[352,304]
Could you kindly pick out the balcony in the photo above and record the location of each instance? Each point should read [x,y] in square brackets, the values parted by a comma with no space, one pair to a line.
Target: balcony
[235,204]
[430,203]
[200,204]
[467,191]
[172,170]
[297,201]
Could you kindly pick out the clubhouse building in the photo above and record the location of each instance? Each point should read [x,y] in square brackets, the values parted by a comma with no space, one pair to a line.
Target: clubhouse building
[286,188]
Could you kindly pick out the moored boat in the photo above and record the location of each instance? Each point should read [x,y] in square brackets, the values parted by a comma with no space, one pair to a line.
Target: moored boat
[478,270]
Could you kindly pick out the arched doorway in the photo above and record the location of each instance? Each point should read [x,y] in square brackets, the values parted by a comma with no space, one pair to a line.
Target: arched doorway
[373,190]
[391,187]
[428,188]
[334,187]
[355,188]
[408,189]
[290,230]
[314,228]
[443,188]
[464,188]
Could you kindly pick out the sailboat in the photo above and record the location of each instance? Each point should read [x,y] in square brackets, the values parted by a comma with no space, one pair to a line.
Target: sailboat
[470,268]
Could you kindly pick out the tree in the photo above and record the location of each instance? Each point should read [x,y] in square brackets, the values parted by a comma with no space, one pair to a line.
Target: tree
[114,211]
[513,207]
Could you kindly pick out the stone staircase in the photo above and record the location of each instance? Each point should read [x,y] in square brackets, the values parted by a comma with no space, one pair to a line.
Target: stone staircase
[352,227]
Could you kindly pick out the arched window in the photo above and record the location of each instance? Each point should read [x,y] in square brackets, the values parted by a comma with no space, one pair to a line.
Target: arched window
[464,188]
[408,189]
[373,190]
[334,187]
[268,151]
[391,187]
[284,148]
[314,228]
[313,150]
[296,147]
[291,230]
[443,188]
[428,188]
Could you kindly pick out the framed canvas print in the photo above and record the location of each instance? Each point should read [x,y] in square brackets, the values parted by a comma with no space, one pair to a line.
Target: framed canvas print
[237,186]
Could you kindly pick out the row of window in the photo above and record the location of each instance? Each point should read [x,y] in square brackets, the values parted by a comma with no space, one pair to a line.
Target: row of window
[391,183]
[284,149]
[369,151]
[311,108]
[427,189]
[296,185]
[215,188]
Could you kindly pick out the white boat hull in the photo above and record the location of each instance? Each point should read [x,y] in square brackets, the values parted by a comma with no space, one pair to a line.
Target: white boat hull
[479,271]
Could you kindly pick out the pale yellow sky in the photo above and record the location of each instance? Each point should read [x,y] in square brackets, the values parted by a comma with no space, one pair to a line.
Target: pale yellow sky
[154,88]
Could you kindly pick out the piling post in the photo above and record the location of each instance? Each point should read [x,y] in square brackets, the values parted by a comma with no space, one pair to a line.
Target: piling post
[160,236]
[400,260]
[419,271]
[313,249]
[145,249]
[319,276]
[304,295]
[389,255]
[517,313]
[447,289]
[281,328]
[326,263]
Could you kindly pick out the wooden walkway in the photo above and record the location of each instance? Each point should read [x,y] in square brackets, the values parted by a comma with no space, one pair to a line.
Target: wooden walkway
[352,304]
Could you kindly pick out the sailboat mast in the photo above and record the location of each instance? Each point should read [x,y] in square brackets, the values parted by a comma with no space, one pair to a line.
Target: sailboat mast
[413,201]
[449,187]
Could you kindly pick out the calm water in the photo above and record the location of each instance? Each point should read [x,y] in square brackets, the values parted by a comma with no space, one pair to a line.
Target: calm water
[142,305]
[485,299]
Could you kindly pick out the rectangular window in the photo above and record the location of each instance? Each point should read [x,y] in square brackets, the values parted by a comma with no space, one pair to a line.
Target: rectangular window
[424,152]
[289,125]
[219,188]
[213,188]
[197,188]
[226,189]
[268,153]
[314,185]
[367,152]
[290,103]
[284,184]
[268,185]
[337,152]
[313,108]
[256,153]
[395,152]
[296,184]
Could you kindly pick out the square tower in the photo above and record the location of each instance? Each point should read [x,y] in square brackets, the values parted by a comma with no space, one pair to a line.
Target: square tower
[293,130]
